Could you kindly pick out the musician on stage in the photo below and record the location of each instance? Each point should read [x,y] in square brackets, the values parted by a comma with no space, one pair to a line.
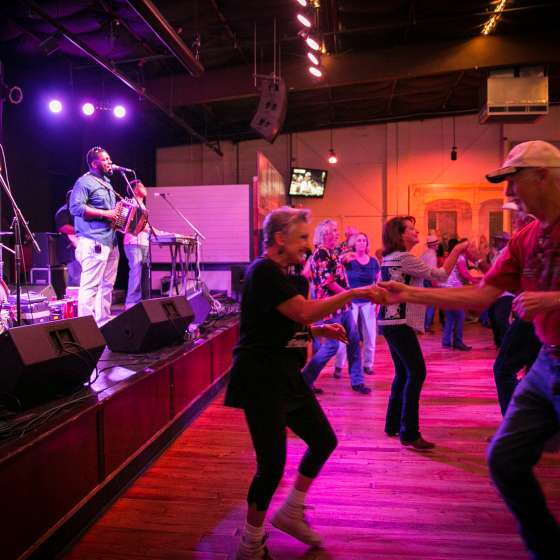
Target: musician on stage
[92,203]
[137,248]
[66,247]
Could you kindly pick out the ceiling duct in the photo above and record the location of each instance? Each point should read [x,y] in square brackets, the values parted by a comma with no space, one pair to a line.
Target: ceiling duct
[515,95]
[155,20]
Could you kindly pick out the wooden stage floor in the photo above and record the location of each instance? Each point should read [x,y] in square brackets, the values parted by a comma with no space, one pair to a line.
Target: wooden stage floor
[374,498]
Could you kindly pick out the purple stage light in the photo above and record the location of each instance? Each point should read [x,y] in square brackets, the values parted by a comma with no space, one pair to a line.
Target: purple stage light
[119,111]
[88,109]
[55,106]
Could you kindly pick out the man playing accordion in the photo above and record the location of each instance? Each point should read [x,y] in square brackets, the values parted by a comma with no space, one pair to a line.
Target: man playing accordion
[92,203]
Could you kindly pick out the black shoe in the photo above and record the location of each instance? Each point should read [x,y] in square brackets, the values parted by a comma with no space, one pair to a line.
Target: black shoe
[446,346]
[368,371]
[337,374]
[317,390]
[462,346]
[391,434]
[361,388]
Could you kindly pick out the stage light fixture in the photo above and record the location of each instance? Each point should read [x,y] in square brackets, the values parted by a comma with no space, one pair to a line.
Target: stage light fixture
[304,20]
[55,106]
[332,159]
[315,71]
[453,155]
[313,58]
[88,109]
[312,43]
[302,3]
[119,111]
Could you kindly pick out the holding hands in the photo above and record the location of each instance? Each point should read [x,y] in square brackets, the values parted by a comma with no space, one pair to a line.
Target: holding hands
[373,293]
[330,330]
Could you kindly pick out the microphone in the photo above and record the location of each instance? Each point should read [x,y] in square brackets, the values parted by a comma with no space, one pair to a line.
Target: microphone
[123,169]
[164,194]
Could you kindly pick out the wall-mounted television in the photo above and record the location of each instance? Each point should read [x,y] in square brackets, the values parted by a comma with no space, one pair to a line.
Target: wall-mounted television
[307,182]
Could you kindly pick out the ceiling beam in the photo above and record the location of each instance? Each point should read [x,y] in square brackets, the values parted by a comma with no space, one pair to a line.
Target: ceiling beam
[398,63]
[155,20]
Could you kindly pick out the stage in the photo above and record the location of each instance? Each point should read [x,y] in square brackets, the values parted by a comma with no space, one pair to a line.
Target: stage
[65,460]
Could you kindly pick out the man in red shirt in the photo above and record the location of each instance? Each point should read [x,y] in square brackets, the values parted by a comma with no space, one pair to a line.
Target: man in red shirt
[530,268]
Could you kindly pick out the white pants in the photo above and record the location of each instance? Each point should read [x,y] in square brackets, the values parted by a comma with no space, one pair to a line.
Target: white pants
[368,331]
[99,271]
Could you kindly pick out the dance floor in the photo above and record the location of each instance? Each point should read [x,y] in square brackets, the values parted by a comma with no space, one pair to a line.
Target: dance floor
[373,499]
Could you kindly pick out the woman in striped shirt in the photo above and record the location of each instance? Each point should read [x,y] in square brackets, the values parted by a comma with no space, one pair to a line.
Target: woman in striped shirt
[399,323]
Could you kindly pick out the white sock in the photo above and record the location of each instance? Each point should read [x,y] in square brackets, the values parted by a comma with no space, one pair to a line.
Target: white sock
[296,498]
[252,534]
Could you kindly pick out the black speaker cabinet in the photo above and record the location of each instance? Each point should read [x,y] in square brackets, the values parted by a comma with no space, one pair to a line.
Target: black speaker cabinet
[200,305]
[46,360]
[47,242]
[149,325]
[271,113]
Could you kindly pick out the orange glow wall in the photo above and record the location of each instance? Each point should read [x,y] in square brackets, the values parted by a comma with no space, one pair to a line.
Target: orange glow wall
[381,169]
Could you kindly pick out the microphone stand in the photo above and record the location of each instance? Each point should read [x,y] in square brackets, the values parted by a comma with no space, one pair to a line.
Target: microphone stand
[18,220]
[197,233]
[152,232]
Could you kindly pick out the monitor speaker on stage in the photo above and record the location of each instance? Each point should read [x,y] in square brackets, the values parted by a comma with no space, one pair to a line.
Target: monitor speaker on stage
[200,304]
[44,361]
[271,113]
[149,325]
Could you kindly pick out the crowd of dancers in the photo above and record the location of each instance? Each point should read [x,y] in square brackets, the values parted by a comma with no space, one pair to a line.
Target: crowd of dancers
[275,385]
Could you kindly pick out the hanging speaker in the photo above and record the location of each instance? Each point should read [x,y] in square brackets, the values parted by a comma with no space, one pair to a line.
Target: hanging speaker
[46,360]
[149,325]
[270,115]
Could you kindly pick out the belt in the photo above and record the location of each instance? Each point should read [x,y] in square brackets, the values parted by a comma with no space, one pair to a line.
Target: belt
[552,350]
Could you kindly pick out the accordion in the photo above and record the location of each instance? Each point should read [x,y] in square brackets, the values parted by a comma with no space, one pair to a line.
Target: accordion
[129,217]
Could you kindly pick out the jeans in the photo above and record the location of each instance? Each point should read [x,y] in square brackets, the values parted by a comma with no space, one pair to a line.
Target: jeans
[137,256]
[533,417]
[329,347]
[519,349]
[267,425]
[99,271]
[453,328]
[410,372]
[367,326]
[499,313]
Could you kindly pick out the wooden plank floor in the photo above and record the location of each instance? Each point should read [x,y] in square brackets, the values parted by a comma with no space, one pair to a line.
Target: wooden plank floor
[374,498]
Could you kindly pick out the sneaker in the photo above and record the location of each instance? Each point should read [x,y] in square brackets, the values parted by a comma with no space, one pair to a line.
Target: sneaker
[361,388]
[337,373]
[462,346]
[291,520]
[368,371]
[317,390]
[419,443]
[250,551]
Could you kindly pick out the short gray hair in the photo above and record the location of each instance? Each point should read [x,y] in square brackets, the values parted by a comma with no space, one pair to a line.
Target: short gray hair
[281,220]
[321,229]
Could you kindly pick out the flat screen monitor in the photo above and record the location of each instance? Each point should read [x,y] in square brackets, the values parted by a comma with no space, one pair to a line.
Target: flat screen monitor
[307,182]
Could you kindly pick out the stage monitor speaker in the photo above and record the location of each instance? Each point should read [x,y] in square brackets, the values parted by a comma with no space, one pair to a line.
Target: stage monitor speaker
[47,242]
[237,279]
[149,325]
[200,305]
[271,112]
[42,289]
[43,361]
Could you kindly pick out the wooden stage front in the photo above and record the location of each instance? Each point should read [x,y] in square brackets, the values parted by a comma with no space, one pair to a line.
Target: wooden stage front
[61,471]
[374,498]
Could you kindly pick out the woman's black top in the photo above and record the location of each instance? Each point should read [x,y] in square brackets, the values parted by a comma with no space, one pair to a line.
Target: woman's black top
[272,348]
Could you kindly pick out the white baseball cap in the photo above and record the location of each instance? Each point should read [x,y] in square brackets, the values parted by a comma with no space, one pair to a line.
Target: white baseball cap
[527,154]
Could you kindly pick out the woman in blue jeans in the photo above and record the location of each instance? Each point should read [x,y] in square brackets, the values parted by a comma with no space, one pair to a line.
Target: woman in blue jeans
[399,323]
[455,318]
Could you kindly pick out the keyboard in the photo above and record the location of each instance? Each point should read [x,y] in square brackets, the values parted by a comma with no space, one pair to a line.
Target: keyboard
[173,239]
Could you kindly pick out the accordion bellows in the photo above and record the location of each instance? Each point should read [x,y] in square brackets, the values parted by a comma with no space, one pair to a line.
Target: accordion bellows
[129,217]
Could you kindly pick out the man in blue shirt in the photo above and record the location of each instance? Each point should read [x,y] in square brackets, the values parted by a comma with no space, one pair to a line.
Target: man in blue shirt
[92,203]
